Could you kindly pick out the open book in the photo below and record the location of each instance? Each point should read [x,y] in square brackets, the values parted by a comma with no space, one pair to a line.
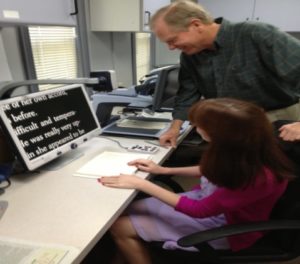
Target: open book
[110,164]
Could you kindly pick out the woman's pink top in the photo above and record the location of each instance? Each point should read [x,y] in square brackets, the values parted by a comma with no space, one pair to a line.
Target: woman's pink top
[250,204]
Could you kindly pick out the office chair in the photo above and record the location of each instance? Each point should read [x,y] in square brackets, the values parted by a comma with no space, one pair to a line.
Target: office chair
[281,242]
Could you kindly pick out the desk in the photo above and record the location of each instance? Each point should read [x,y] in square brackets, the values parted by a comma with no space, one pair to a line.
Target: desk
[57,208]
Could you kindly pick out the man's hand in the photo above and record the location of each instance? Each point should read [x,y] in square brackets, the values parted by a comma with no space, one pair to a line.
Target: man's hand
[290,132]
[169,138]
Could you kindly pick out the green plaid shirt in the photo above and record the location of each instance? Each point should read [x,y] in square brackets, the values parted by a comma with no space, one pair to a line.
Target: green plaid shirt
[252,61]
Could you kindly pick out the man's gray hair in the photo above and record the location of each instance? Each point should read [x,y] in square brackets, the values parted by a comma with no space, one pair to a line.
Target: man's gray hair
[179,14]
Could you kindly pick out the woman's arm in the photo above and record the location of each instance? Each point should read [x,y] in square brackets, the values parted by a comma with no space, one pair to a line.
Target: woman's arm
[185,171]
[134,182]
[124,181]
[152,167]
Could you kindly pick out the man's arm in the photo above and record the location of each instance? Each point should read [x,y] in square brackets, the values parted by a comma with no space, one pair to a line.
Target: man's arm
[187,94]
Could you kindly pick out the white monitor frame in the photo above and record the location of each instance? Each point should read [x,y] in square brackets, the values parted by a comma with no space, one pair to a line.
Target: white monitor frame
[16,110]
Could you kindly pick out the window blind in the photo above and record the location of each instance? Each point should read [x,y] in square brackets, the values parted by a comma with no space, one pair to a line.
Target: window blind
[142,41]
[54,52]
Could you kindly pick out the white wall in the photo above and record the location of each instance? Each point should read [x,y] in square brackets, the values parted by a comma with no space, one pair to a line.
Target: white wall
[13,53]
[110,51]
[163,56]
[11,62]
[5,71]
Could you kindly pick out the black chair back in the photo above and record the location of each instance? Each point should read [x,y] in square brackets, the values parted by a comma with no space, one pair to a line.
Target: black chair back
[288,208]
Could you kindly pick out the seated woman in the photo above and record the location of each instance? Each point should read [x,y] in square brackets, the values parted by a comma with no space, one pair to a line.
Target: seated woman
[244,171]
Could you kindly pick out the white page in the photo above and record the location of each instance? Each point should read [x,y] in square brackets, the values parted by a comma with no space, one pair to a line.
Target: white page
[26,252]
[109,164]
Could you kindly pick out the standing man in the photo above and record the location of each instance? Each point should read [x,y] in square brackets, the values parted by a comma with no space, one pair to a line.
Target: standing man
[247,60]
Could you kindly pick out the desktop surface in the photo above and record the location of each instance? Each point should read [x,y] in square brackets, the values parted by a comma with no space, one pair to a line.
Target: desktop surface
[55,207]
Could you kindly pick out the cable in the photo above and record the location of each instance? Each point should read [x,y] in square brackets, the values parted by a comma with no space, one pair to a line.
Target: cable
[155,143]
[8,183]
[116,141]
[137,147]
[5,171]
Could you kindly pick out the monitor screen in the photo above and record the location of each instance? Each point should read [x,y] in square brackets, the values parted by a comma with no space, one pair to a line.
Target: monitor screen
[44,125]
[165,89]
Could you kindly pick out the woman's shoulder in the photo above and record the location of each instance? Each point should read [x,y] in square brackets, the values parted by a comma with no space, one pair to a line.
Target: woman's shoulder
[267,180]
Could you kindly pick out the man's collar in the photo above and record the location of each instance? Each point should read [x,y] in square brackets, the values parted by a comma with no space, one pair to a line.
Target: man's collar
[220,38]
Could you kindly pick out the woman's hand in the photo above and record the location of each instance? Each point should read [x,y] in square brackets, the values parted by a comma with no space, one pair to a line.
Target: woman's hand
[123,181]
[147,166]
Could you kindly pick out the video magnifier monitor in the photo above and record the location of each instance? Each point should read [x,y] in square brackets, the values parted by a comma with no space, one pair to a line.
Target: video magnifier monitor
[44,125]
[166,88]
